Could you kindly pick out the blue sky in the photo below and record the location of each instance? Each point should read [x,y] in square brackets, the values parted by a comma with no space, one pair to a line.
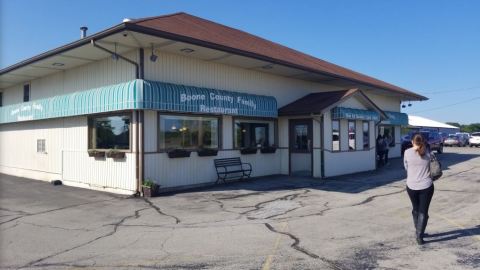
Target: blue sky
[430,47]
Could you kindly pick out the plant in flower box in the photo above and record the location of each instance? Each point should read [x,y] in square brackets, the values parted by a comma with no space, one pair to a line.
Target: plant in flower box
[150,188]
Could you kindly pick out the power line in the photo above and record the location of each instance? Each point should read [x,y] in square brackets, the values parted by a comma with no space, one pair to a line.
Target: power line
[450,91]
[449,105]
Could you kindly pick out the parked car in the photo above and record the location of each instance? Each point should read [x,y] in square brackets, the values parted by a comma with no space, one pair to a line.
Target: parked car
[433,140]
[475,139]
[464,137]
[443,135]
[453,140]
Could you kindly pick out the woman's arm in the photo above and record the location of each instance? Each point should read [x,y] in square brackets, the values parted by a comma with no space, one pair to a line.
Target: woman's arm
[405,163]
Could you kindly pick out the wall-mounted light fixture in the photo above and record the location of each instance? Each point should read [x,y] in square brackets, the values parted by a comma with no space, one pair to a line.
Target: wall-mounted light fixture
[153,57]
[187,50]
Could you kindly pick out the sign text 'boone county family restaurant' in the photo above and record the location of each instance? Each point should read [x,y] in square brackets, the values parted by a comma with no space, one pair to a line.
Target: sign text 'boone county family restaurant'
[218,103]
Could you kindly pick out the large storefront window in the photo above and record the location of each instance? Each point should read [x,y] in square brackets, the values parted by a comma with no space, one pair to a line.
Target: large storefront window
[110,132]
[253,133]
[351,135]
[188,132]
[366,135]
[335,135]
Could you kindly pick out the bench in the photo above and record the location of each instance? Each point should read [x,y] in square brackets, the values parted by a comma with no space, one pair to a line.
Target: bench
[228,166]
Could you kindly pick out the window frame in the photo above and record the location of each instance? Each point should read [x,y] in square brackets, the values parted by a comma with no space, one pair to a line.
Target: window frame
[43,148]
[363,134]
[339,135]
[354,135]
[252,119]
[219,126]
[27,86]
[119,113]
[1,99]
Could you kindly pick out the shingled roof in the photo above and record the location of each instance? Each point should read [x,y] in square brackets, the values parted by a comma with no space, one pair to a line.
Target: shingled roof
[210,33]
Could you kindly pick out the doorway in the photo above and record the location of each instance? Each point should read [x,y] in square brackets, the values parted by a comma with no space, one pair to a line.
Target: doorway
[300,147]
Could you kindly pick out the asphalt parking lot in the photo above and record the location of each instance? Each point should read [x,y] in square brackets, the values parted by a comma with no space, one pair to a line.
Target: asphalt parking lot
[360,221]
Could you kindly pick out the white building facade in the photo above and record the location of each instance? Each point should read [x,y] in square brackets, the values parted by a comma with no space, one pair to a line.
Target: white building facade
[148,99]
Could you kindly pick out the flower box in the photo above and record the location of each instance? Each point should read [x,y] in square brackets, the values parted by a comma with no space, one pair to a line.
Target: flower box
[150,189]
[248,151]
[96,153]
[178,153]
[207,152]
[115,154]
[268,150]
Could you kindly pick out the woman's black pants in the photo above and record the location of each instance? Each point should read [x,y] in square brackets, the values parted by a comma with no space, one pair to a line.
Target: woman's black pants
[420,203]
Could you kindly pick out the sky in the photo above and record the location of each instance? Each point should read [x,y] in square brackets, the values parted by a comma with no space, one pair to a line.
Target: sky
[429,47]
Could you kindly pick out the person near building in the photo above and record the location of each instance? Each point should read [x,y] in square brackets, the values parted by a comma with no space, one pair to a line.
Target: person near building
[381,147]
[419,184]
[389,143]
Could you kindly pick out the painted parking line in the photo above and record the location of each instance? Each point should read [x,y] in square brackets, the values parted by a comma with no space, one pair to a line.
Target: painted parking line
[268,261]
[458,225]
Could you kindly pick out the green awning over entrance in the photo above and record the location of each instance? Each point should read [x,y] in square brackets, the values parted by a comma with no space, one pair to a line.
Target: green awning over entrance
[141,94]
[396,119]
[354,114]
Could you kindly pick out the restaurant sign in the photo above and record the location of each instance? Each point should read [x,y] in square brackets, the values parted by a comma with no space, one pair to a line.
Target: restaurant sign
[354,114]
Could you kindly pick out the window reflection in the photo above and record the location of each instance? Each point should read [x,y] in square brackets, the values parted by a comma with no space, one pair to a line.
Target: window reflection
[110,132]
[188,132]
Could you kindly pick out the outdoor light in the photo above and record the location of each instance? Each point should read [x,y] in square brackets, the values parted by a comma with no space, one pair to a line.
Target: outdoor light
[409,104]
[403,106]
[267,66]
[187,50]
[58,64]
[115,55]
[153,57]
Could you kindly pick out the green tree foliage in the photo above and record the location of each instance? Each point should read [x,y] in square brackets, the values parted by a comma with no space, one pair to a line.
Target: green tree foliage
[475,127]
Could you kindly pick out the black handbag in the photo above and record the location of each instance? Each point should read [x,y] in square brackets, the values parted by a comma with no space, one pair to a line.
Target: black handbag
[435,167]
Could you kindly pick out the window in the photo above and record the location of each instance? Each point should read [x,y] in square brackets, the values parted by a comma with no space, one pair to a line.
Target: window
[1,99]
[188,132]
[26,92]
[253,133]
[389,133]
[41,146]
[335,135]
[110,132]
[366,135]
[351,135]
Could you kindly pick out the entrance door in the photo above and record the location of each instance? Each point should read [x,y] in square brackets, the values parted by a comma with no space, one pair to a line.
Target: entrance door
[300,147]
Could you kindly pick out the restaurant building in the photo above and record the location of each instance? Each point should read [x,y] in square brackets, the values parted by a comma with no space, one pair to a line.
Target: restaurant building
[120,106]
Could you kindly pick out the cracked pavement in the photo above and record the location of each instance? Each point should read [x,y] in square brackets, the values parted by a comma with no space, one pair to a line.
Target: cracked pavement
[359,221]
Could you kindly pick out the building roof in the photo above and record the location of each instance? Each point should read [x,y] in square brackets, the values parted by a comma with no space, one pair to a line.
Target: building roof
[183,27]
[417,121]
[317,103]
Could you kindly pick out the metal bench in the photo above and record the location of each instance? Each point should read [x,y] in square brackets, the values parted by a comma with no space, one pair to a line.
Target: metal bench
[228,166]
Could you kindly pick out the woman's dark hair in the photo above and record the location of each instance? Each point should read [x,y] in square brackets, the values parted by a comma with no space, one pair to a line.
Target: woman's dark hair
[419,141]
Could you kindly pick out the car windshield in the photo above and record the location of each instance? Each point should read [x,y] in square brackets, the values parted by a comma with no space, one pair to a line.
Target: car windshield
[453,137]
[476,134]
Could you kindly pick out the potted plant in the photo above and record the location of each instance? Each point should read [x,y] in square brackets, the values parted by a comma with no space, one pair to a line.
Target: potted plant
[248,150]
[178,153]
[115,154]
[207,152]
[150,188]
[96,153]
[268,149]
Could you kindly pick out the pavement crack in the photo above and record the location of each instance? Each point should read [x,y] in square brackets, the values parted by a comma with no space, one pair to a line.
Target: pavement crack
[115,228]
[289,197]
[156,208]
[296,245]
[371,198]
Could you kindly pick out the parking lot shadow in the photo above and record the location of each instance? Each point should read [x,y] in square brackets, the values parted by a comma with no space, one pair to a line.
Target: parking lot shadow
[449,159]
[353,183]
[451,235]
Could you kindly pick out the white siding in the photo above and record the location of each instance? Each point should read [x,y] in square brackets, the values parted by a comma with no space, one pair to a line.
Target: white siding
[96,74]
[179,69]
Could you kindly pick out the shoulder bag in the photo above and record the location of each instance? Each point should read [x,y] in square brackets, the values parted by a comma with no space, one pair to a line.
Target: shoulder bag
[435,167]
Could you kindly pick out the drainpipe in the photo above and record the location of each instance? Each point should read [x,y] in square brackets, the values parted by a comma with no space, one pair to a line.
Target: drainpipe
[137,68]
[322,152]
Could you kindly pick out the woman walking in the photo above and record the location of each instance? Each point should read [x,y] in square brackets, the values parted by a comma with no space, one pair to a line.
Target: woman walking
[419,184]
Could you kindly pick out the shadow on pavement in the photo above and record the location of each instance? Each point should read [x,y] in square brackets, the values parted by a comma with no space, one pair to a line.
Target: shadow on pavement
[451,235]
[449,159]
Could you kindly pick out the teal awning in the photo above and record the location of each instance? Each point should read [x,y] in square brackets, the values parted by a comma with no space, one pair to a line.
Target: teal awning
[141,94]
[396,119]
[354,114]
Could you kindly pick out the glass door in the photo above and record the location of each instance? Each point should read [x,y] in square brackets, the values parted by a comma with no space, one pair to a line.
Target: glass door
[300,147]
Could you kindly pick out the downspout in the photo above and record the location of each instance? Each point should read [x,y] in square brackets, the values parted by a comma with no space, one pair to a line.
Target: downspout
[322,152]
[139,134]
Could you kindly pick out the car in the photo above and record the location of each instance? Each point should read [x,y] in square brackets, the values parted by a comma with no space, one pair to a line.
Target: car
[464,137]
[453,140]
[443,135]
[475,139]
[433,140]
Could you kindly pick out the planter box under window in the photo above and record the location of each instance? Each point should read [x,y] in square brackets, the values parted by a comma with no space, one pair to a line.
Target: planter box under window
[116,154]
[178,153]
[248,151]
[96,153]
[151,191]
[268,150]
[207,152]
